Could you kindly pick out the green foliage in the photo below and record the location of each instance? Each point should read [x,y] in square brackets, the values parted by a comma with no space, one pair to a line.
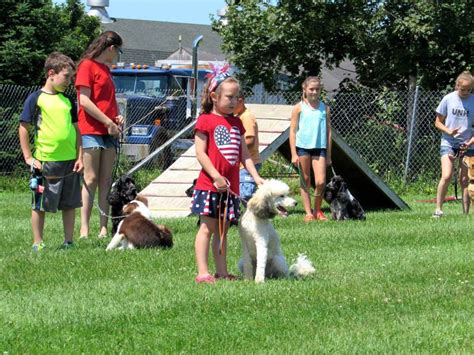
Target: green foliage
[392,43]
[30,30]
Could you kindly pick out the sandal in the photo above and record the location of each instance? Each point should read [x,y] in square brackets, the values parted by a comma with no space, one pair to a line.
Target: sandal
[228,277]
[309,218]
[319,216]
[205,279]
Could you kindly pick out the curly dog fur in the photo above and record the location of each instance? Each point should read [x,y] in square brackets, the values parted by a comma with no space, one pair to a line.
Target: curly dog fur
[261,251]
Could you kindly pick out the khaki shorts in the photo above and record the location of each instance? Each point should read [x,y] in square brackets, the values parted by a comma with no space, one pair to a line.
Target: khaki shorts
[62,191]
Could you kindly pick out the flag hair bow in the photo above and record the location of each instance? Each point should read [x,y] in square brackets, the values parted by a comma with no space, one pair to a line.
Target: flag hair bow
[218,75]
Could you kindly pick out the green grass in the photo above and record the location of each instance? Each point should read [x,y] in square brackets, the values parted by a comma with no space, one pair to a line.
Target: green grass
[400,282]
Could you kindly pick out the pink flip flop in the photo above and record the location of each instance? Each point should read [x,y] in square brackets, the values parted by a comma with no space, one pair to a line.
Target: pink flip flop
[205,279]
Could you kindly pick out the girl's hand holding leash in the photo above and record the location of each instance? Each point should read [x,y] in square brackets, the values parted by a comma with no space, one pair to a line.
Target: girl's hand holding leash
[259,181]
[113,129]
[221,184]
[120,120]
[295,160]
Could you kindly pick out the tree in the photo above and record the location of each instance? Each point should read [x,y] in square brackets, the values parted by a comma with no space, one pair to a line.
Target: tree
[392,43]
[421,42]
[30,30]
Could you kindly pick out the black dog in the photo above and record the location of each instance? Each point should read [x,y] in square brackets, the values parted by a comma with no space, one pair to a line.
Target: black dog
[343,205]
[189,191]
[122,192]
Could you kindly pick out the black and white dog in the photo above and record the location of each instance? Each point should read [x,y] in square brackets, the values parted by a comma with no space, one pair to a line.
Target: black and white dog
[343,205]
[122,192]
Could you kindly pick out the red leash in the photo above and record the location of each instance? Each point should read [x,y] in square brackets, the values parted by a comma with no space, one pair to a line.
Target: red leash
[222,217]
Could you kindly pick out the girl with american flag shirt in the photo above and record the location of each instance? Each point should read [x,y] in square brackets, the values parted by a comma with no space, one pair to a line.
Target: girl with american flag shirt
[219,150]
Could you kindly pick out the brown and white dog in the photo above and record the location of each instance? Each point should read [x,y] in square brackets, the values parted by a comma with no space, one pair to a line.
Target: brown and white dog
[137,230]
[469,162]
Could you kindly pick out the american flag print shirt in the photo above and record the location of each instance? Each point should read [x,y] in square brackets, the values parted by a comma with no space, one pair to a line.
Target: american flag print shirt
[228,143]
[224,149]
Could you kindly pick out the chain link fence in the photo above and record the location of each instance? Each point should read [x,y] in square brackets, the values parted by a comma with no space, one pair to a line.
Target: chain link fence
[393,131]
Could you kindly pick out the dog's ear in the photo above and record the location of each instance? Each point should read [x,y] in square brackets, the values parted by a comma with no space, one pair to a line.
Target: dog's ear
[328,196]
[114,196]
[142,199]
[343,187]
[261,204]
[129,208]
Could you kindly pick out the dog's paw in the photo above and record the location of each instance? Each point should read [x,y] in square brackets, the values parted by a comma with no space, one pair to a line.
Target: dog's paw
[259,279]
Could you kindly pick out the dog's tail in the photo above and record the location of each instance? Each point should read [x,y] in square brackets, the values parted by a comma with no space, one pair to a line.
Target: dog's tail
[302,267]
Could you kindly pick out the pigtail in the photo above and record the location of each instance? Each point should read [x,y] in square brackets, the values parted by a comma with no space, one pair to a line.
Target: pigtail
[206,101]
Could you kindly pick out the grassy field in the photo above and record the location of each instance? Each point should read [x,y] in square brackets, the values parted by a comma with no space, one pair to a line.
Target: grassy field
[401,282]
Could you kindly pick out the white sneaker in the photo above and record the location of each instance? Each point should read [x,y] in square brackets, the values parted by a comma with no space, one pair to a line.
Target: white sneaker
[438,214]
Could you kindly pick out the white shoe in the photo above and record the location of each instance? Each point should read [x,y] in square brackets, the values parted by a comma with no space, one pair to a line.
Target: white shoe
[438,214]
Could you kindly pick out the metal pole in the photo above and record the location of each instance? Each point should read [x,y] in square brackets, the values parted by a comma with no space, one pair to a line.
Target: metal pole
[195,74]
[410,136]
[160,149]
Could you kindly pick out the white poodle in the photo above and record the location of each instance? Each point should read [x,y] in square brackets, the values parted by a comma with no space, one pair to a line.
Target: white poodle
[261,252]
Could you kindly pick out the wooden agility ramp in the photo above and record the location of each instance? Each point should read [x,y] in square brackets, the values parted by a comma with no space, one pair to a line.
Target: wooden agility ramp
[166,194]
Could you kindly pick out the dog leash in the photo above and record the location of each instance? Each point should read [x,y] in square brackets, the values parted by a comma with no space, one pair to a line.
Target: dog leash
[302,182]
[222,217]
[101,212]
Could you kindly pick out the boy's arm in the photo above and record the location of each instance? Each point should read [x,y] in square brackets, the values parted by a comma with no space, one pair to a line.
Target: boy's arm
[78,165]
[249,165]
[24,135]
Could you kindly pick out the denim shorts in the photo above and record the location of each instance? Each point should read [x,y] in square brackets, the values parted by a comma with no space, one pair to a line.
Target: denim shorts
[93,141]
[314,152]
[444,149]
[247,184]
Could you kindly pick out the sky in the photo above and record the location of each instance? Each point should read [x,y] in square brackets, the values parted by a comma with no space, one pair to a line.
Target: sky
[183,11]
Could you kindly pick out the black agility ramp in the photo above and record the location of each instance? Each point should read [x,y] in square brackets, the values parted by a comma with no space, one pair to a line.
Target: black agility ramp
[369,189]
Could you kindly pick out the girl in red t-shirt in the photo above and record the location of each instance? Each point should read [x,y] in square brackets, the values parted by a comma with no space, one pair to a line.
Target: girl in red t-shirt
[99,123]
[218,137]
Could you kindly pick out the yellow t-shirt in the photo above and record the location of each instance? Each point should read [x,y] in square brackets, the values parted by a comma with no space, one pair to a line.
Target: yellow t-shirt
[251,130]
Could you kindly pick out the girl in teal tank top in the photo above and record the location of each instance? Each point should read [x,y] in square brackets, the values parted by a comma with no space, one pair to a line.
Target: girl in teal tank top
[310,143]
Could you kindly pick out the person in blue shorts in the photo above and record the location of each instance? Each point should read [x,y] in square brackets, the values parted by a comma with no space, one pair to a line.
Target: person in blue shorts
[248,186]
[57,159]
[310,144]
[455,119]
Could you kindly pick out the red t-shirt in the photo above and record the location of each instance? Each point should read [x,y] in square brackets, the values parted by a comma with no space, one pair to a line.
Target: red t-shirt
[96,76]
[224,135]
